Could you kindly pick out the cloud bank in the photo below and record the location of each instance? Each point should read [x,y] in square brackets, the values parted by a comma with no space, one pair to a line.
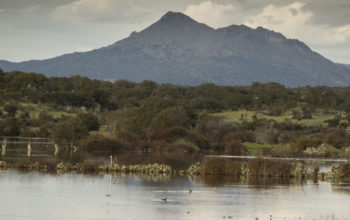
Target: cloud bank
[294,21]
[99,11]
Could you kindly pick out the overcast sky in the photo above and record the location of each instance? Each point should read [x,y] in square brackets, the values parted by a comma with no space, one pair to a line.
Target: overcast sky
[38,29]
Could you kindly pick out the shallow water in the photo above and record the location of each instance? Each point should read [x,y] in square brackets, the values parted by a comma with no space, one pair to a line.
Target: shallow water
[76,196]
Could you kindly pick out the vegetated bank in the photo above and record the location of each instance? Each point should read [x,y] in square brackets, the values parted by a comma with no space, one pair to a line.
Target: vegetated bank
[96,115]
[209,167]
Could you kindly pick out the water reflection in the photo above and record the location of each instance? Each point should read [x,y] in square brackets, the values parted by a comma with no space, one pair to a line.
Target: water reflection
[259,182]
[76,196]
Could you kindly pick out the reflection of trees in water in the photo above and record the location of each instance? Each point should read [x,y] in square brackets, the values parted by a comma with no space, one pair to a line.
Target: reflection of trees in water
[341,186]
[253,181]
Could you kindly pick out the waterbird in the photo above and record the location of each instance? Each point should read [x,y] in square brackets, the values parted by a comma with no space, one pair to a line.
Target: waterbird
[190,191]
[108,195]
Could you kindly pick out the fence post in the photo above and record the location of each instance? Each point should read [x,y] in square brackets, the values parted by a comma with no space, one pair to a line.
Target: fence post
[56,149]
[29,149]
[3,147]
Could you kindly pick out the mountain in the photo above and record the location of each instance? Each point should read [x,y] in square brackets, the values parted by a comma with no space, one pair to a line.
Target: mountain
[178,50]
[347,65]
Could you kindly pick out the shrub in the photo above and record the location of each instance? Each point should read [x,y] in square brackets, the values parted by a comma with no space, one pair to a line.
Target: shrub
[50,163]
[90,121]
[337,137]
[235,148]
[89,167]
[10,127]
[99,142]
[303,143]
[181,148]
[346,170]
[69,130]
[240,136]
[173,134]
[11,109]
[266,135]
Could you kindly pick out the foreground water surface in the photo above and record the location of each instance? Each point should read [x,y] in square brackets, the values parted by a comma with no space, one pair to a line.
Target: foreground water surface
[34,195]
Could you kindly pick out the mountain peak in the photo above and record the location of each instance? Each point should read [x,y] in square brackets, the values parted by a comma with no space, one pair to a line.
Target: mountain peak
[173,27]
[182,51]
[171,16]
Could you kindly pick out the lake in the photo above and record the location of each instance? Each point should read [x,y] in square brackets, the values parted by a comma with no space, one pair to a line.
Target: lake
[31,195]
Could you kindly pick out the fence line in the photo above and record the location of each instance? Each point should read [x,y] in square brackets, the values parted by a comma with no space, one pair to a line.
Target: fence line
[26,142]
[28,138]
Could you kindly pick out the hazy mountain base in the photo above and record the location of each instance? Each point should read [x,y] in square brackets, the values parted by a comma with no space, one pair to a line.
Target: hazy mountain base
[181,51]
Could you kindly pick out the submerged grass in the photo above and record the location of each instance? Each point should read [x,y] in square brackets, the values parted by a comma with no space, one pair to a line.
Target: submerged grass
[254,167]
[270,168]
[220,166]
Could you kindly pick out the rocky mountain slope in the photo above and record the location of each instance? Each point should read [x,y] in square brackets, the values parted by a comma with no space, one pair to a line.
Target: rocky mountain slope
[178,50]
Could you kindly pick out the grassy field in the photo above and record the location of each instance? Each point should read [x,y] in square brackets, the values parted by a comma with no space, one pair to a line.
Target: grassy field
[318,117]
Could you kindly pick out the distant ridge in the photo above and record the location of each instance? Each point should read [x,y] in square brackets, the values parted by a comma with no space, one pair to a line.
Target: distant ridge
[176,49]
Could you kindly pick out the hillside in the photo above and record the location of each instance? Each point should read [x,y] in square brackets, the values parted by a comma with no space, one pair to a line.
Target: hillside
[179,50]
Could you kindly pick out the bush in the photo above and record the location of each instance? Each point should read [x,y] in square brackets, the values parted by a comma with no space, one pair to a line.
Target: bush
[334,122]
[176,116]
[11,109]
[181,148]
[304,143]
[10,127]
[90,121]
[69,130]
[235,148]
[266,136]
[346,170]
[99,142]
[240,136]
[173,134]
[337,137]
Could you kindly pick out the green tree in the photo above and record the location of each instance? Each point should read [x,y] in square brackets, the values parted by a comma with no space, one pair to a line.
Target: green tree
[11,109]
[90,121]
